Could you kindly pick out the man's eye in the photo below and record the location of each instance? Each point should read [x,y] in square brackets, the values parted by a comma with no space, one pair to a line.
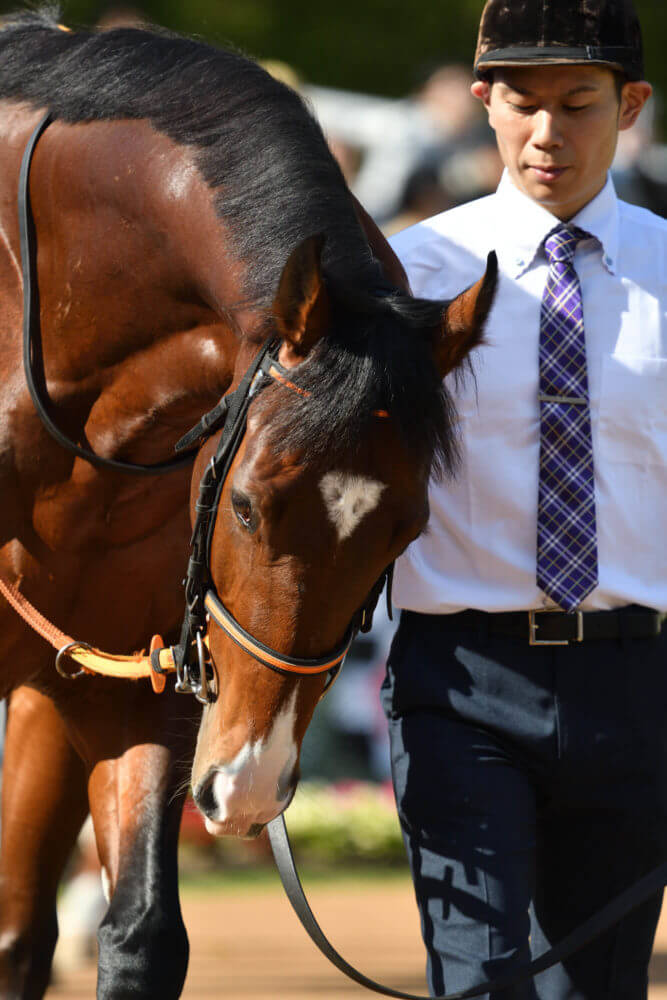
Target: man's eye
[576,107]
[526,109]
[243,509]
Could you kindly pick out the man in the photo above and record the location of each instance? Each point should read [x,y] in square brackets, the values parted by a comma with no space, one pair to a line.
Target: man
[527,684]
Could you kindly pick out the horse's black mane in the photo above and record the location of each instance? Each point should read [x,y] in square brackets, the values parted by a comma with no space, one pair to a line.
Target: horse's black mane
[253,138]
[256,143]
[376,358]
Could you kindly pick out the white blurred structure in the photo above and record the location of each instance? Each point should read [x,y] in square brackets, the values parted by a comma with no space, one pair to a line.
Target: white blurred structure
[397,137]
[81,907]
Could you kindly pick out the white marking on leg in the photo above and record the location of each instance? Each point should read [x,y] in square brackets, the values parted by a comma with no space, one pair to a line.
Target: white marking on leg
[348,499]
[256,784]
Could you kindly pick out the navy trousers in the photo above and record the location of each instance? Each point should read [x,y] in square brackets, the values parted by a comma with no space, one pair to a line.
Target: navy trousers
[531,785]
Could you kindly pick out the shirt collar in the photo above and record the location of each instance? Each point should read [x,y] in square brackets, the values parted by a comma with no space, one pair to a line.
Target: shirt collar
[526,224]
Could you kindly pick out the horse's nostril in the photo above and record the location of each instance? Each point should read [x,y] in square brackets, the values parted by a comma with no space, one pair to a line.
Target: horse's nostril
[204,796]
[287,783]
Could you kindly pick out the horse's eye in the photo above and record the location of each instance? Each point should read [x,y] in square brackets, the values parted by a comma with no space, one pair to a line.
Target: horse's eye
[243,509]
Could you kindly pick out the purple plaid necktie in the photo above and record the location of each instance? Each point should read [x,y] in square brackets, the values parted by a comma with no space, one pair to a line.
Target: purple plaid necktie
[567,559]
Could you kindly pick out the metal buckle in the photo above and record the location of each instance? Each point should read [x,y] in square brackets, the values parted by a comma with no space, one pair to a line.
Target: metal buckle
[201,691]
[199,686]
[533,627]
[183,685]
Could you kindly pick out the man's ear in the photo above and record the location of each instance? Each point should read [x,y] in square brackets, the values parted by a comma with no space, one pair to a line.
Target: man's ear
[463,320]
[634,96]
[481,89]
[301,307]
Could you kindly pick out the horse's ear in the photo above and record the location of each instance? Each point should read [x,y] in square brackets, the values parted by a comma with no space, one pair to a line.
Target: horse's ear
[301,305]
[463,320]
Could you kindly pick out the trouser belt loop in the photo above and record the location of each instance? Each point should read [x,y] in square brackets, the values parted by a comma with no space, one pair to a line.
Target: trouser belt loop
[483,625]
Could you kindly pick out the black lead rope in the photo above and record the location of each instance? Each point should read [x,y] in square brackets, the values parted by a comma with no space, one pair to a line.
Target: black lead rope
[592,928]
[33,361]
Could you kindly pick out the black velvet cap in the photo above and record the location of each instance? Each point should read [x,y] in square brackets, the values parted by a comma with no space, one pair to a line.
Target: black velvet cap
[539,32]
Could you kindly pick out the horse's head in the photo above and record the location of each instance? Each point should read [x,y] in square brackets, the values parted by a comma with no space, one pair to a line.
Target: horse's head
[328,486]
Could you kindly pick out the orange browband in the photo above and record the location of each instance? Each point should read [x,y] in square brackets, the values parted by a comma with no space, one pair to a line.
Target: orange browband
[279,377]
[275,374]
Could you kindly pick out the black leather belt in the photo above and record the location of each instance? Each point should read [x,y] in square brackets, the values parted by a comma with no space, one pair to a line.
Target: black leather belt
[560,628]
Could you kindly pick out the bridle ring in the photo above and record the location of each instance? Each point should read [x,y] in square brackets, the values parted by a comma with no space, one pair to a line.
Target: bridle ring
[62,652]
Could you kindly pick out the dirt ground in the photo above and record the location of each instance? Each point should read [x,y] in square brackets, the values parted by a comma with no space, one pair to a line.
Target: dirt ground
[248,945]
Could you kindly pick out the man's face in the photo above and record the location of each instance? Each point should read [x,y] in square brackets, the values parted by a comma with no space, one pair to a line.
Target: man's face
[557,128]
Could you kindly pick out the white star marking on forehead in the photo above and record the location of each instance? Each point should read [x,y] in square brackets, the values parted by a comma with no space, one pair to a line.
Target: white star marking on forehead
[348,499]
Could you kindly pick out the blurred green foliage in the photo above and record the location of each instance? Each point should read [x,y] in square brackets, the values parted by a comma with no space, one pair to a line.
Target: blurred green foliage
[329,824]
[378,46]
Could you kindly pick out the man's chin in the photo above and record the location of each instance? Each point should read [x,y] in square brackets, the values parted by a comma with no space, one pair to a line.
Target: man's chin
[552,192]
[558,197]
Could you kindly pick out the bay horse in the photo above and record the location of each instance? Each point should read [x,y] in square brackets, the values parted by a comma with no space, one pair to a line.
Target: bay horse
[187,213]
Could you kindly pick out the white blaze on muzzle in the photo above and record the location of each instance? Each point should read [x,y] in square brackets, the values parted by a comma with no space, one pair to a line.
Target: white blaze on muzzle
[256,784]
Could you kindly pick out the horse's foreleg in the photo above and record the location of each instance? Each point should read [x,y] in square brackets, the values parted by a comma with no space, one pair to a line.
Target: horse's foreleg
[136,804]
[44,804]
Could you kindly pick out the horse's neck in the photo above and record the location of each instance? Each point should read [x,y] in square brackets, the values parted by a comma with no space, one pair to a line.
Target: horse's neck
[129,246]
[122,296]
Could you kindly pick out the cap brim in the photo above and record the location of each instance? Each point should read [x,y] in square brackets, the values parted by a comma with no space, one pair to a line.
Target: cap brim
[545,61]
[555,56]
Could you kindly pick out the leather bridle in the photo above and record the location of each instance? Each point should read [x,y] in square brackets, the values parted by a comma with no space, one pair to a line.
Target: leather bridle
[202,602]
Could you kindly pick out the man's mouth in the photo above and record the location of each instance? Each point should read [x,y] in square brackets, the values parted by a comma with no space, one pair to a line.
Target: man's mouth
[547,174]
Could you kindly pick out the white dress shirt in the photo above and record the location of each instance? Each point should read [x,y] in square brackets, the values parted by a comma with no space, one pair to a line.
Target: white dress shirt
[480,547]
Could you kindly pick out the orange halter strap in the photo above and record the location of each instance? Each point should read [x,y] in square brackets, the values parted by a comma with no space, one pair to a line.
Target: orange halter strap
[264,654]
[89,659]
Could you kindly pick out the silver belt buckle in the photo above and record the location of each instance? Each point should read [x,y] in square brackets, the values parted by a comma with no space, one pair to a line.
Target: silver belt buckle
[533,627]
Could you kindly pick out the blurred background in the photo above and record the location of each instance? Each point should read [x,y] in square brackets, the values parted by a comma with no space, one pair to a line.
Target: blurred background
[390,84]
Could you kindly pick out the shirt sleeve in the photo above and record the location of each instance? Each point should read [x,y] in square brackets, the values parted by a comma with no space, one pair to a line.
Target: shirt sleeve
[439,260]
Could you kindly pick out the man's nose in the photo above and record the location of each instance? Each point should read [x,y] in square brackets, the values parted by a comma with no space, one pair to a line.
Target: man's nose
[547,133]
